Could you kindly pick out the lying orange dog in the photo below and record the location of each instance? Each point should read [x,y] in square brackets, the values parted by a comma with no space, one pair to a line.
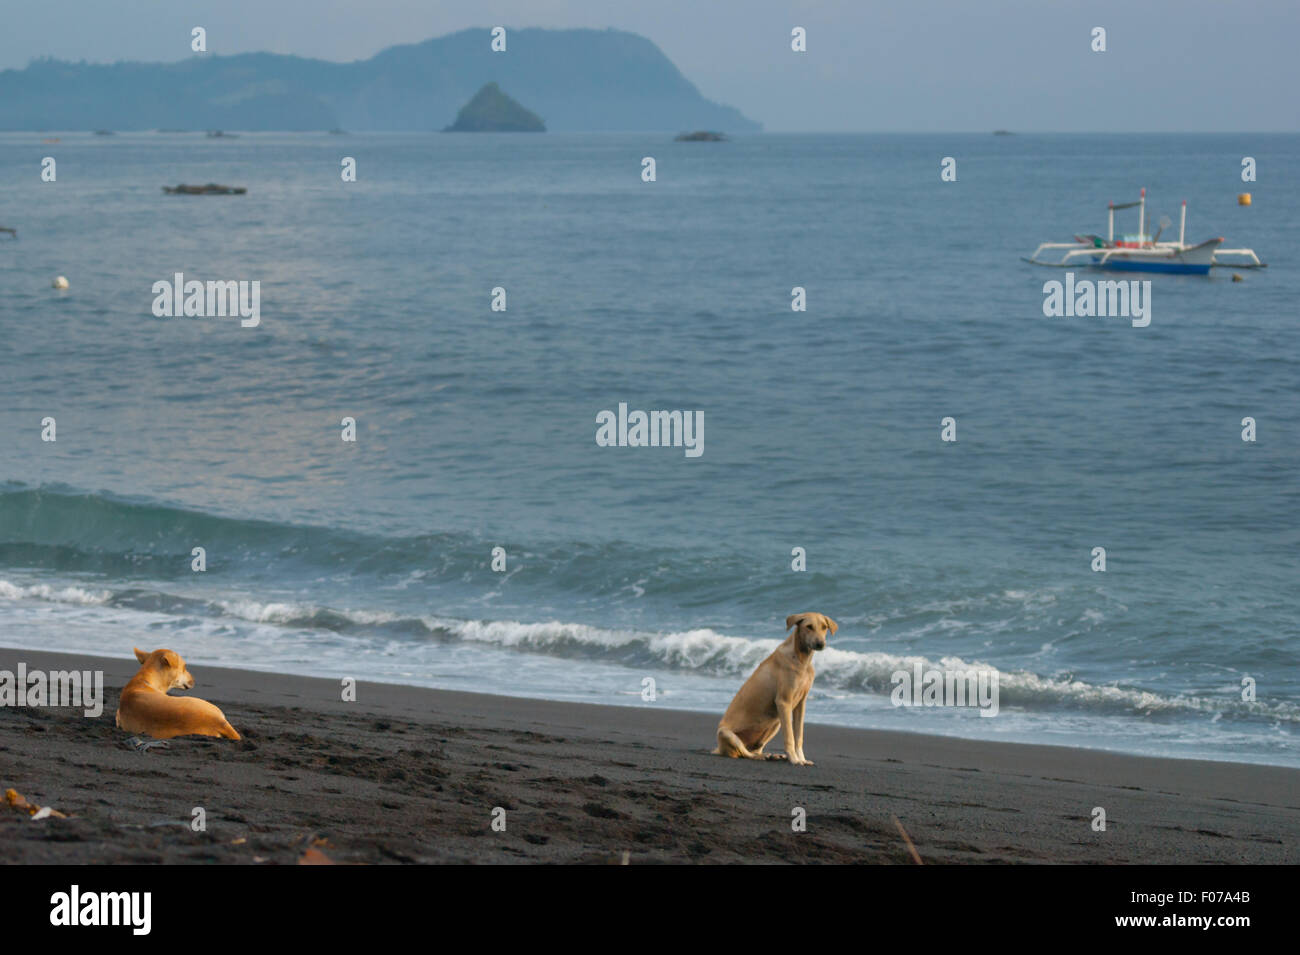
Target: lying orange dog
[773,697]
[146,708]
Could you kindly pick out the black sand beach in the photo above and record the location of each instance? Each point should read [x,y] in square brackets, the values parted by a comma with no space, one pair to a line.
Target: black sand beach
[410,775]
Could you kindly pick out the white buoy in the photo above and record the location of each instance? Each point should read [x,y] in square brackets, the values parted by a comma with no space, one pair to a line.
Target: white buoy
[60,282]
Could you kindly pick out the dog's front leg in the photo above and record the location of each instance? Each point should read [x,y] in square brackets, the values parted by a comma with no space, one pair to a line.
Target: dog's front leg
[786,712]
[798,731]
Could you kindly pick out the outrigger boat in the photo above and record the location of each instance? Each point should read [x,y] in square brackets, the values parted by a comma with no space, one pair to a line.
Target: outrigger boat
[1143,253]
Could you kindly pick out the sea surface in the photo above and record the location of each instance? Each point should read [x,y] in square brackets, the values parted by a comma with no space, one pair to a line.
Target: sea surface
[476,428]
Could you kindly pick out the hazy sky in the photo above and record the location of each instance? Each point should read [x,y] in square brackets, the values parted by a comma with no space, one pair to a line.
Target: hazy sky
[927,65]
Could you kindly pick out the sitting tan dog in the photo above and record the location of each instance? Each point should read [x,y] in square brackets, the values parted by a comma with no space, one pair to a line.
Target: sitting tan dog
[146,708]
[773,697]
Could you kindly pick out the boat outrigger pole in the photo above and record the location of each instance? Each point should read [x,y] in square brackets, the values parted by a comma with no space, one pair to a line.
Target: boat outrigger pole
[1142,215]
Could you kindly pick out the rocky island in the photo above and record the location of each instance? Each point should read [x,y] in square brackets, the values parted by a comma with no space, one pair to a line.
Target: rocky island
[211,189]
[492,111]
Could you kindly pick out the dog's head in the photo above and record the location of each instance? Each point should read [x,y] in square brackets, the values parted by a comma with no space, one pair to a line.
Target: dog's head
[811,629]
[166,669]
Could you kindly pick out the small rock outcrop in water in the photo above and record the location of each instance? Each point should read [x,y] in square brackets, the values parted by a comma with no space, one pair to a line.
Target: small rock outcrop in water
[211,189]
[700,136]
[492,111]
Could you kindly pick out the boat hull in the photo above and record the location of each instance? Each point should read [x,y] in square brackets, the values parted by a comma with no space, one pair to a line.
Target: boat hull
[1167,265]
[1170,257]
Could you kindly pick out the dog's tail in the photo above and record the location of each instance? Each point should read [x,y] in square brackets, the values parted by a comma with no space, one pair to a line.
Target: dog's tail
[227,731]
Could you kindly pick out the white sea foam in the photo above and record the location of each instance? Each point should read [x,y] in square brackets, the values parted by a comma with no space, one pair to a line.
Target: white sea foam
[708,653]
[66,595]
[288,613]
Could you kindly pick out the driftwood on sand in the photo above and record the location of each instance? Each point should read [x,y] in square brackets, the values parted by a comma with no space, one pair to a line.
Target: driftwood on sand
[211,189]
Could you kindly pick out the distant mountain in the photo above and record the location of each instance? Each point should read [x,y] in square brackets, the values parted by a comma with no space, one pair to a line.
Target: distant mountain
[492,111]
[579,80]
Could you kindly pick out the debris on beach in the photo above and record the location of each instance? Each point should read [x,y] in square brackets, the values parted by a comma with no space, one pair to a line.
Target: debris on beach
[16,801]
[916,856]
[315,857]
[211,189]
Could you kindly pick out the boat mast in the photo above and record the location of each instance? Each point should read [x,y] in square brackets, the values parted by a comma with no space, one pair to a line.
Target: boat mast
[1142,215]
[1182,223]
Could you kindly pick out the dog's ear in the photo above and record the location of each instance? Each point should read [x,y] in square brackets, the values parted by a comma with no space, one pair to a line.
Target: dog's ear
[831,625]
[140,654]
[791,620]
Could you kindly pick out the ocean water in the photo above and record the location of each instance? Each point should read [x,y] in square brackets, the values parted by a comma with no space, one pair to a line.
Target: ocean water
[476,429]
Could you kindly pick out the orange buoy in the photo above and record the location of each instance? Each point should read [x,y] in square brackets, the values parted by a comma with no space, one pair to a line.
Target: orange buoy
[1243,199]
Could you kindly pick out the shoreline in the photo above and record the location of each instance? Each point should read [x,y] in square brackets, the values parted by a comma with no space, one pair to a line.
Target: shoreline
[410,774]
[1013,740]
